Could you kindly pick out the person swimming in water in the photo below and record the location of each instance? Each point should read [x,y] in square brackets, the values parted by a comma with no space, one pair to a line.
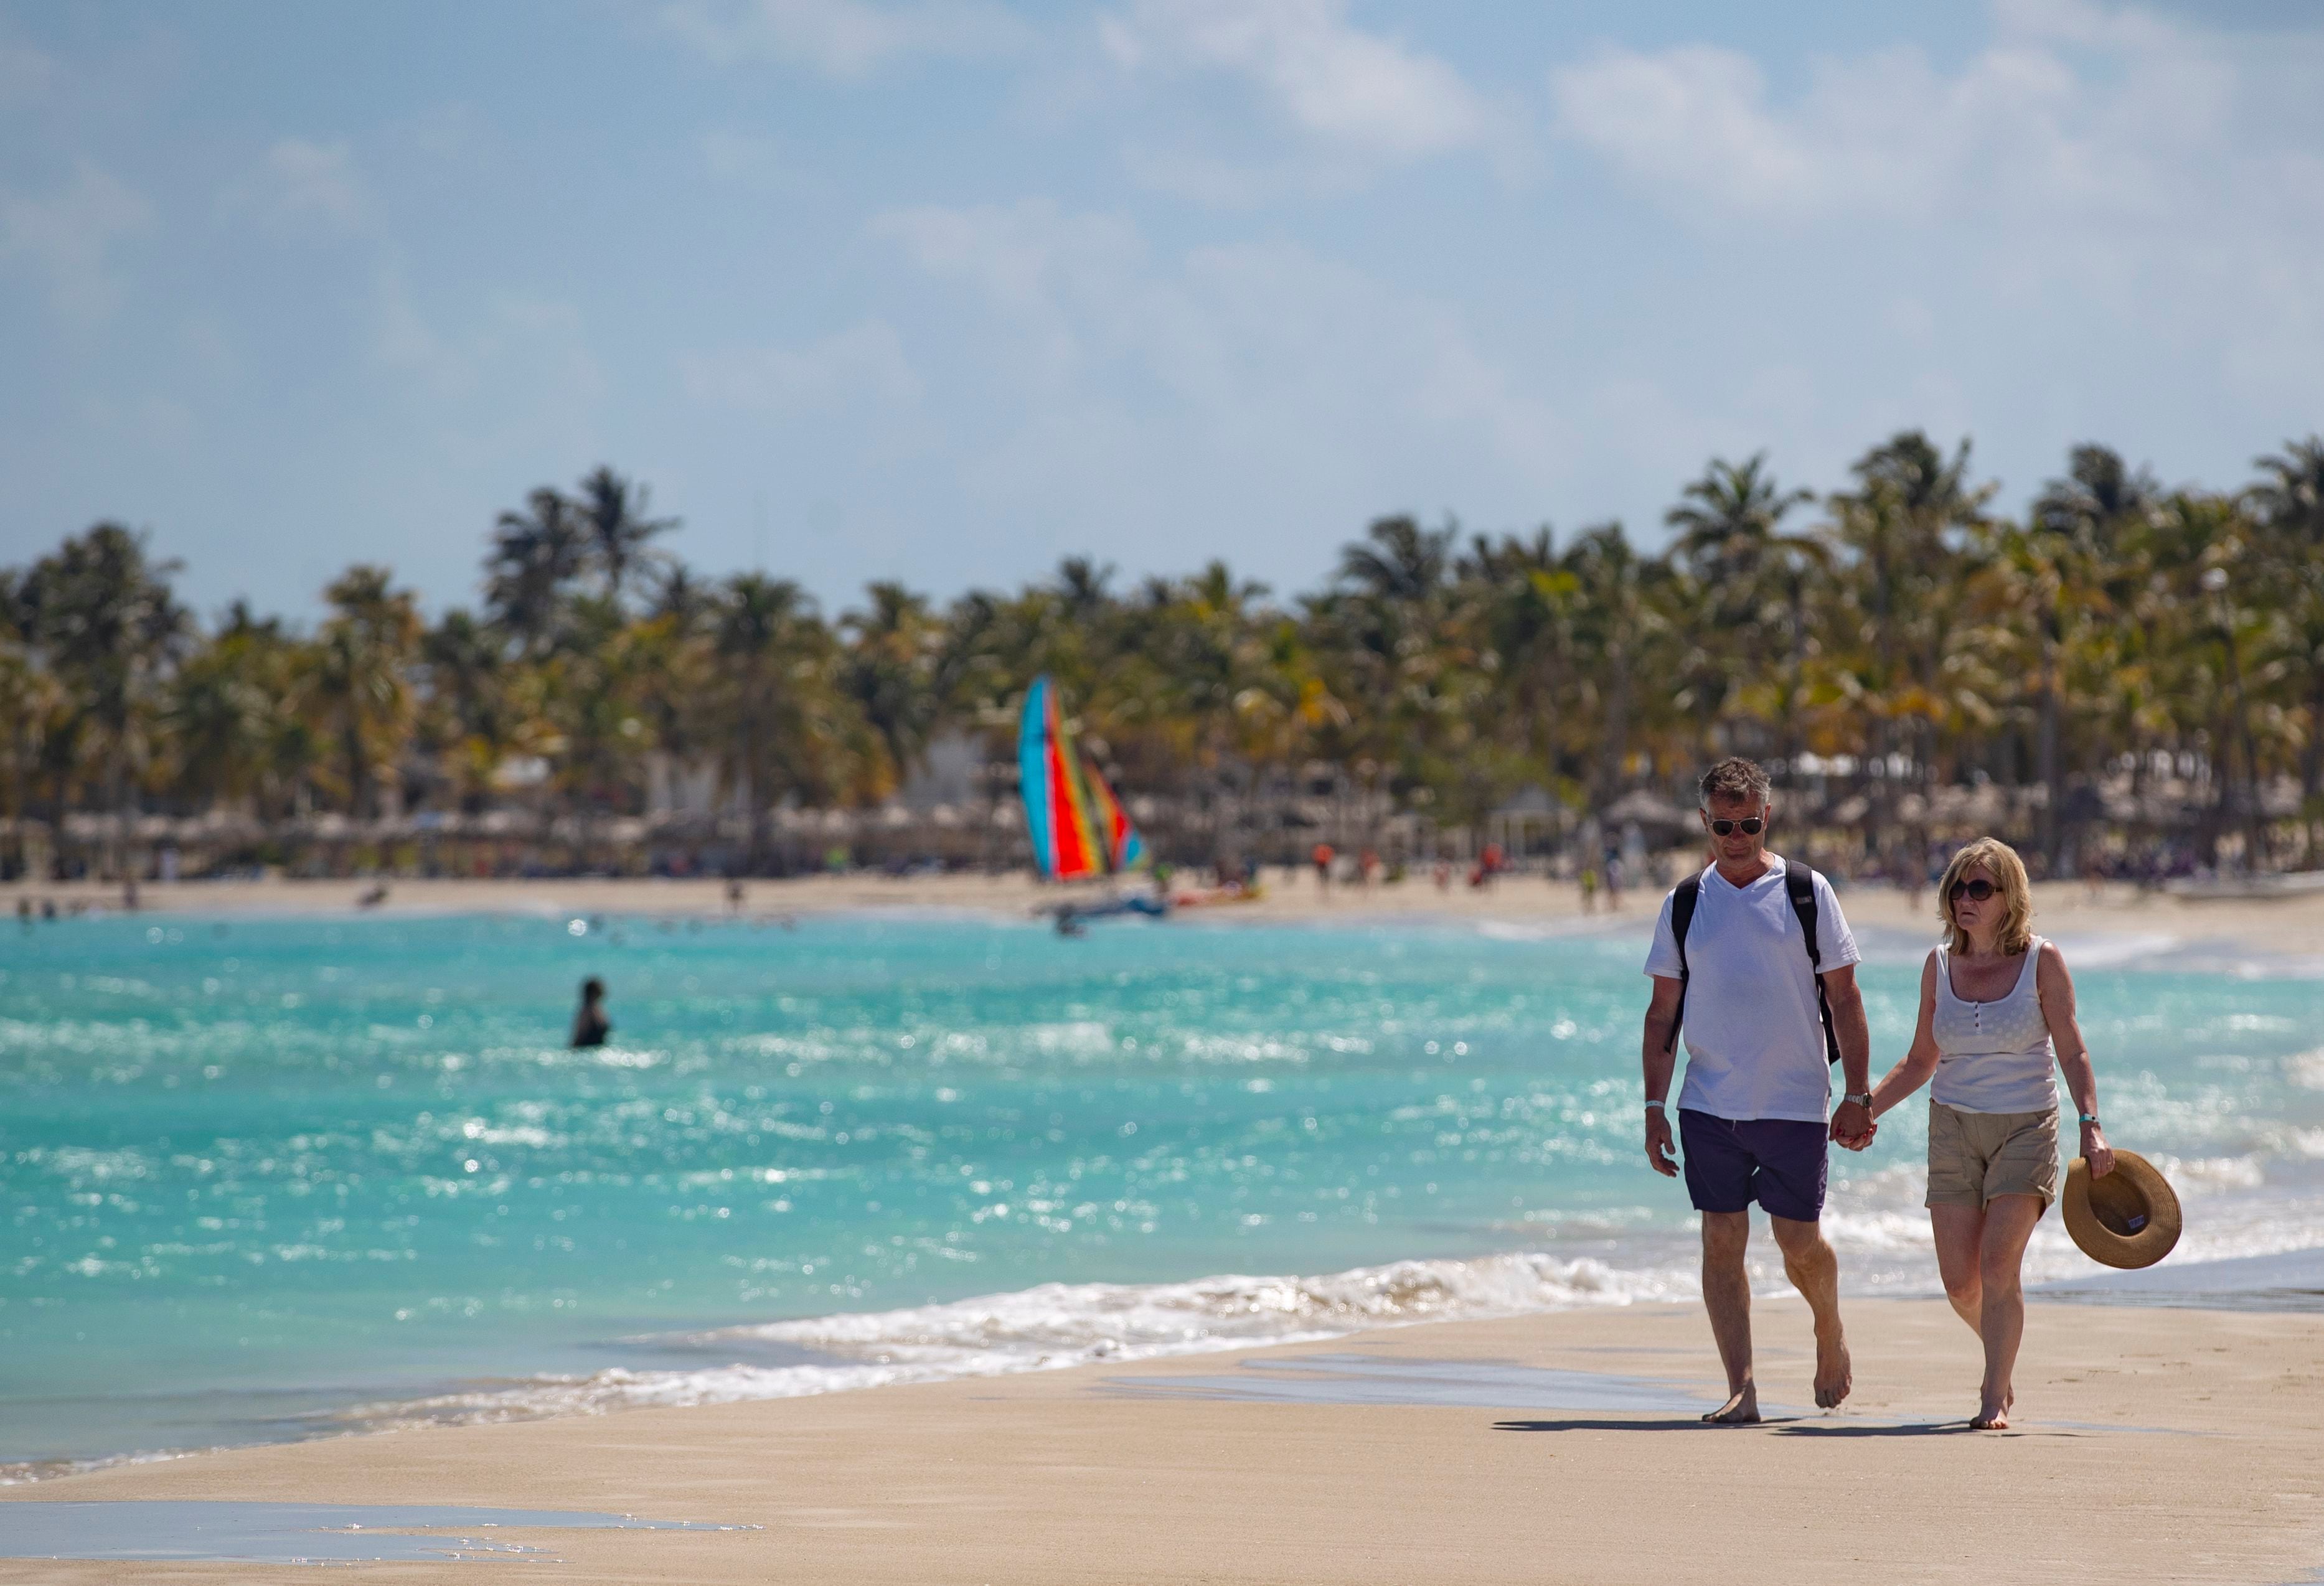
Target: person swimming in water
[590,1025]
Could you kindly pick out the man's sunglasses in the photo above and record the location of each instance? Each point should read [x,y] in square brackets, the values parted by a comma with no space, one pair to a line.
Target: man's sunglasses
[1975,891]
[1752,826]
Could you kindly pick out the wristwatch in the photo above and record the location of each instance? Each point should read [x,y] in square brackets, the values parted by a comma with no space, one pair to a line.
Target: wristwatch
[1861,1098]
[2089,1120]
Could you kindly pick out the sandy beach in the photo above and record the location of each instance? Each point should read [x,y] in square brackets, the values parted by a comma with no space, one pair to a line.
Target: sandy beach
[2150,1446]
[2293,925]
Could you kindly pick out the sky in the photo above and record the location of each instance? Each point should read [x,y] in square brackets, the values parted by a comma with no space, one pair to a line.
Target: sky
[946,291]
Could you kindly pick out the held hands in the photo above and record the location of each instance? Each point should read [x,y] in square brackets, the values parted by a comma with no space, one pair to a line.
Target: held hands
[1852,1126]
[1658,1143]
[2095,1151]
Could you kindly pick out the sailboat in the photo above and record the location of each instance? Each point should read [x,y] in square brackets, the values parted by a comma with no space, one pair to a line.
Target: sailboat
[1079,829]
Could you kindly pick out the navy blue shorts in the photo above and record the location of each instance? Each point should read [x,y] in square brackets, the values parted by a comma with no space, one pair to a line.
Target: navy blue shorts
[1778,1162]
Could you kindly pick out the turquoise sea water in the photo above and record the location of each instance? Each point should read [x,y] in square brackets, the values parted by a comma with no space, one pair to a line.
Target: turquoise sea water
[271,1179]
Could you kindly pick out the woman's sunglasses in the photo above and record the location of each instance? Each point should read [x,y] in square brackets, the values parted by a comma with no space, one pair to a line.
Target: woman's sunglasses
[1752,825]
[1975,891]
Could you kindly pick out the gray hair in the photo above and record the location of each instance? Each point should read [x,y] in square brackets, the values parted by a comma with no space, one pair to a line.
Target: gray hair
[1735,778]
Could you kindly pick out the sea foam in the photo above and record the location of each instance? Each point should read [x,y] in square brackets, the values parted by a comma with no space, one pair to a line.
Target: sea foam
[1052,1326]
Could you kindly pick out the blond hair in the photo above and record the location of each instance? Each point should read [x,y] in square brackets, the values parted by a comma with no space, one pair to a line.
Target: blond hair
[2008,872]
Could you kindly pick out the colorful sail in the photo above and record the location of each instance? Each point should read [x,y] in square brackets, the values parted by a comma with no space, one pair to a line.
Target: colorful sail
[1123,846]
[1078,827]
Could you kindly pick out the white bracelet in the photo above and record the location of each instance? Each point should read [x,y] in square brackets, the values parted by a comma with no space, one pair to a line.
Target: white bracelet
[1658,1106]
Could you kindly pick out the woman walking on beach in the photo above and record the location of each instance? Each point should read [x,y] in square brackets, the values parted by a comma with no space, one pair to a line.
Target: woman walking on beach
[1996,1013]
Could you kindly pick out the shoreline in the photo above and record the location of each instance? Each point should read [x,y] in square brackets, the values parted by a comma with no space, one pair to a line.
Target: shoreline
[1479,1451]
[2272,928]
[900,1480]
[2286,1284]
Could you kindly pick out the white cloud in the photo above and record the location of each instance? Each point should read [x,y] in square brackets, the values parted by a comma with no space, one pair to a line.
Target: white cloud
[1249,383]
[2072,110]
[843,38]
[865,363]
[69,233]
[2105,161]
[301,182]
[1337,84]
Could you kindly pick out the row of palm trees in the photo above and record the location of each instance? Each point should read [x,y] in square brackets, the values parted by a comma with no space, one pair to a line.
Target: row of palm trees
[1895,632]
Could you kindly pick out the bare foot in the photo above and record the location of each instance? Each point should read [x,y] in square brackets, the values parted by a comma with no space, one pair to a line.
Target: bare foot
[1991,1419]
[1834,1375]
[1742,1410]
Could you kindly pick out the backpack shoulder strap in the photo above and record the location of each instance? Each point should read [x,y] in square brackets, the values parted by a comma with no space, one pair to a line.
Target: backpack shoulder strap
[1799,885]
[1683,897]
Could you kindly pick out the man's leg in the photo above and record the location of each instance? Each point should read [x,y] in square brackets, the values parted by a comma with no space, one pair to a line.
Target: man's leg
[2009,1222]
[1959,1233]
[1727,1296]
[1814,1270]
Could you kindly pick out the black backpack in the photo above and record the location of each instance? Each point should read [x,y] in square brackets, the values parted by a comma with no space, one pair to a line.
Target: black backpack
[1799,886]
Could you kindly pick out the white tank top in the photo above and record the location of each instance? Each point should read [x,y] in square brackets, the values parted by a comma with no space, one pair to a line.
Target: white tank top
[1993,1057]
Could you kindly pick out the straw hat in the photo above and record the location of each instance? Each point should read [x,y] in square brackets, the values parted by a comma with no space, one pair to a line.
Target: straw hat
[2129,1218]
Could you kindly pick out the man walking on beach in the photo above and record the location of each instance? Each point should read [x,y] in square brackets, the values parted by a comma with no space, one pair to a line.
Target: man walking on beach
[1754,957]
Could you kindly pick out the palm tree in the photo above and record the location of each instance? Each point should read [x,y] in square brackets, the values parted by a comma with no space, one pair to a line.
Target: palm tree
[1398,560]
[2098,500]
[590,698]
[683,598]
[468,718]
[1082,583]
[1901,535]
[1727,521]
[889,671]
[1616,624]
[359,677]
[771,702]
[102,616]
[32,706]
[1755,579]
[223,703]
[2288,503]
[536,558]
[618,532]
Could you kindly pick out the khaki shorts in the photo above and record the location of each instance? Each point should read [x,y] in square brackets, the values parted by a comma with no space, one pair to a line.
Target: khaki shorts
[1974,1156]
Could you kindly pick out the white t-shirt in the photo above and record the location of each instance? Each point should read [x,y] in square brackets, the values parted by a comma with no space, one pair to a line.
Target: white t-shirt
[1754,1042]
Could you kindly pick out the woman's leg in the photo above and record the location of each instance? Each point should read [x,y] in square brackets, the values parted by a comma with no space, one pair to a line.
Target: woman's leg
[1960,1231]
[2009,1222]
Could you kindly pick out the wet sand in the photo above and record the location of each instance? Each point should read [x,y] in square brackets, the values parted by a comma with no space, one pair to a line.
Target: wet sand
[2151,1445]
[2067,910]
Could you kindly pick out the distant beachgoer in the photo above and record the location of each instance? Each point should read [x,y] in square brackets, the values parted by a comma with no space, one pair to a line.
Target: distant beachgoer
[1614,878]
[371,897]
[24,912]
[48,908]
[1323,855]
[1997,1014]
[1368,866]
[1444,875]
[590,1025]
[129,893]
[1754,959]
[734,895]
[1589,888]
